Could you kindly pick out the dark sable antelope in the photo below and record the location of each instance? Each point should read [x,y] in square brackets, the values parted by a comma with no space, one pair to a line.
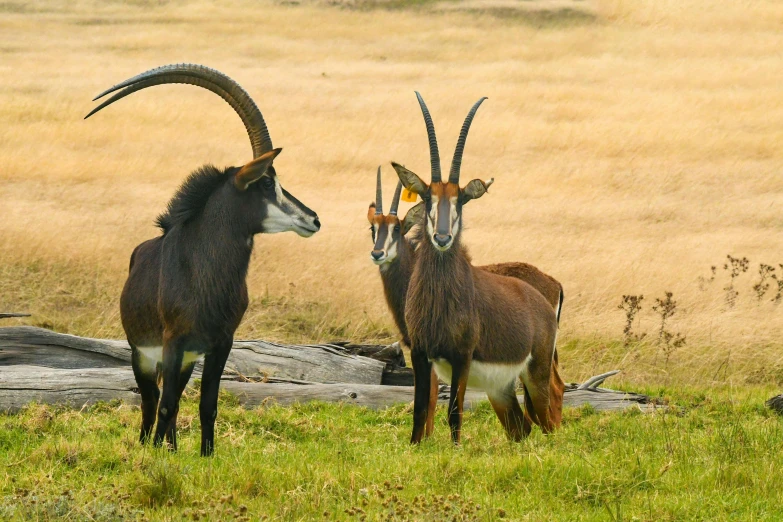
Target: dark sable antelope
[186,291]
[394,253]
[475,328]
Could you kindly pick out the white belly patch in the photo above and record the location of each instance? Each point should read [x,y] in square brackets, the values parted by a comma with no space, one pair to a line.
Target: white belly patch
[493,378]
[151,356]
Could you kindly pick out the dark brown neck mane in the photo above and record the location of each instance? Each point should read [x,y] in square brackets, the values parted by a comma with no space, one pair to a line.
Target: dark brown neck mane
[441,310]
[395,277]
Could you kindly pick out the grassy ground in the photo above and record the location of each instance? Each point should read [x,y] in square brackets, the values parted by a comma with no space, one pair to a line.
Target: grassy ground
[634,145]
[711,457]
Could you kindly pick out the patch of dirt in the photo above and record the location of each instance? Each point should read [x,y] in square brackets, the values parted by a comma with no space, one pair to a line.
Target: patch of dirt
[538,12]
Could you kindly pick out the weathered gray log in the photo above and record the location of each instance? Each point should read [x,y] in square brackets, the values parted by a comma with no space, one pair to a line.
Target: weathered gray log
[5,315]
[23,384]
[397,376]
[315,363]
[391,354]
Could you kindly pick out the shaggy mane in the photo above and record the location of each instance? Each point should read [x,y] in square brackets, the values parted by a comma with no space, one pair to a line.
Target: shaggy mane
[192,196]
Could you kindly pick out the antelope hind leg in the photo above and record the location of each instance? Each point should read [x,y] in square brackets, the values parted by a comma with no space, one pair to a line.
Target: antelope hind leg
[509,412]
[556,391]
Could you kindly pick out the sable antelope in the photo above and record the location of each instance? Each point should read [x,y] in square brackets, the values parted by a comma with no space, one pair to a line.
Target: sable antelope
[186,292]
[475,328]
[394,253]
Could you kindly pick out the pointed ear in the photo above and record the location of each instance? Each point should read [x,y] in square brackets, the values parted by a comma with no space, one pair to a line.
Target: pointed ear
[413,217]
[371,212]
[475,189]
[410,180]
[253,171]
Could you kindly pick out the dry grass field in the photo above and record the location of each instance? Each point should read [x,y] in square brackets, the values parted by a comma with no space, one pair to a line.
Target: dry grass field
[634,144]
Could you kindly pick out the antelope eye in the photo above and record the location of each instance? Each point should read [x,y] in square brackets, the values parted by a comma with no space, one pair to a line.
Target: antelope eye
[267,182]
[396,228]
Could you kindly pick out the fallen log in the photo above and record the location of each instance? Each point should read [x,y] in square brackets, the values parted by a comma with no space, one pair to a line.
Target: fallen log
[23,384]
[27,345]
[776,404]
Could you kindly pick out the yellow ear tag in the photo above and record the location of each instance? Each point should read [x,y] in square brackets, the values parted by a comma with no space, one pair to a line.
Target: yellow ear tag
[409,196]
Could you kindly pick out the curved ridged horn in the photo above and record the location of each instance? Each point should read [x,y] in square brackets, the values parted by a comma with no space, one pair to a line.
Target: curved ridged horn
[378,195]
[209,79]
[434,156]
[396,199]
[456,163]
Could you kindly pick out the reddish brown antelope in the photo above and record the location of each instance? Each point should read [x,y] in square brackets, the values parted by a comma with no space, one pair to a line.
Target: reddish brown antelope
[475,328]
[394,253]
[186,292]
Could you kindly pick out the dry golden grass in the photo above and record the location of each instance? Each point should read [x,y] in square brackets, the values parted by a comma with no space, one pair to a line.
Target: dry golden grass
[632,148]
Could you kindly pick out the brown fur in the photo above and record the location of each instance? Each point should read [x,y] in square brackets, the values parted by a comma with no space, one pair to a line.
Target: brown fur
[186,290]
[461,313]
[395,276]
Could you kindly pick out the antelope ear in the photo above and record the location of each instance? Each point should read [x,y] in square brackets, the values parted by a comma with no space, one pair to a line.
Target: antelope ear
[371,212]
[253,171]
[413,217]
[410,180]
[475,189]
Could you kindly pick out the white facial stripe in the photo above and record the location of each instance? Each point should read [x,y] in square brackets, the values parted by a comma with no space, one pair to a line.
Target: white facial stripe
[283,215]
[391,245]
[433,215]
[454,217]
[276,220]
[279,192]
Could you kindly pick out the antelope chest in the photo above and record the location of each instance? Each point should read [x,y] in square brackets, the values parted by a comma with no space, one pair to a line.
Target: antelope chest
[151,356]
[490,377]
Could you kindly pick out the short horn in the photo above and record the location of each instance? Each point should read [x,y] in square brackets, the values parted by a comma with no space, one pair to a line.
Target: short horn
[378,195]
[396,199]
[456,163]
[209,79]
[434,156]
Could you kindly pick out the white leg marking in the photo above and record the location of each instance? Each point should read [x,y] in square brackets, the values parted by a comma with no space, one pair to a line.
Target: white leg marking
[150,357]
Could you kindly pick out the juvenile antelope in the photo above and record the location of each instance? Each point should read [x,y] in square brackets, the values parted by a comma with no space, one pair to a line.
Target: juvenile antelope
[473,327]
[394,253]
[186,292]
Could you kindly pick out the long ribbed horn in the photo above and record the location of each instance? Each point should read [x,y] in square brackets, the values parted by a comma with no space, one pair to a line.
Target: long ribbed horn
[396,199]
[209,79]
[378,194]
[456,163]
[434,156]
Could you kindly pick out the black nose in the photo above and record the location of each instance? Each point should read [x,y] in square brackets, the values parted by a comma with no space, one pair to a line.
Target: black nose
[317,223]
[377,254]
[442,239]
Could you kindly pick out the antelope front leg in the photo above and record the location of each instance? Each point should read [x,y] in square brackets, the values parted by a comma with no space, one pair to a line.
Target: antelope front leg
[433,402]
[184,377]
[460,370]
[214,363]
[422,382]
[169,400]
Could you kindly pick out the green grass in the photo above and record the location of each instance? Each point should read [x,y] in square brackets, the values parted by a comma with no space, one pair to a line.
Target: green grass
[713,456]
